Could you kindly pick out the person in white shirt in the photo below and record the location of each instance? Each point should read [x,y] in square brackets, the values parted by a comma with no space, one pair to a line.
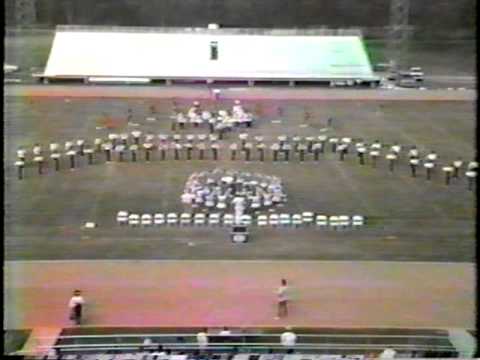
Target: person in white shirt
[237,109]
[282,298]
[225,331]
[472,165]
[76,303]
[457,164]
[52,354]
[432,156]
[288,338]
[194,114]
[202,339]
[54,147]
[413,153]
[181,120]
[388,353]
[21,153]
[148,345]
[395,148]
[376,145]
[37,150]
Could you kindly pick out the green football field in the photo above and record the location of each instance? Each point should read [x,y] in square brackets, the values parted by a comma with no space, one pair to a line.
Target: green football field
[408,219]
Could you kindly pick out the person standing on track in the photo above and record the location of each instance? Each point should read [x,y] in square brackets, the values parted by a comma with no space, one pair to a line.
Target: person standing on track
[76,303]
[282,299]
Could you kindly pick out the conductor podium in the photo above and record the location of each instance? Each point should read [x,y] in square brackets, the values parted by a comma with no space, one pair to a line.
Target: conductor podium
[239,234]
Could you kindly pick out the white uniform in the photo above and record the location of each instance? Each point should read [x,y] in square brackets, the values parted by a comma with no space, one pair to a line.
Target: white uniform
[76,300]
[288,338]
[206,115]
[192,113]
[237,111]
[376,146]
[396,149]
[202,339]
[472,165]
[388,354]
[413,153]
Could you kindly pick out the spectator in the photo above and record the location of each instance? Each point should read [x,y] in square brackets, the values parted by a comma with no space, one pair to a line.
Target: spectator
[52,354]
[288,338]
[225,331]
[388,353]
[180,339]
[147,342]
[76,303]
[202,338]
[159,351]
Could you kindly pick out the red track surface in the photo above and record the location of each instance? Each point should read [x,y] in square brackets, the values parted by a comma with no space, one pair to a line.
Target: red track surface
[218,293]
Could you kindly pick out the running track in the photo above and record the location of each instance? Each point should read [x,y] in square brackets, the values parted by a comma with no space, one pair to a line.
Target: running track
[241,293]
[248,93]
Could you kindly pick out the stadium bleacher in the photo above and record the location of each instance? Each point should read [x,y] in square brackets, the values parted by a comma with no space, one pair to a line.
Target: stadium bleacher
[250,344]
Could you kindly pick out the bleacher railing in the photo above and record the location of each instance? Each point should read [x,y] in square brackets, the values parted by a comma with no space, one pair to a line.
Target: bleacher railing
[243,341]
[220,31]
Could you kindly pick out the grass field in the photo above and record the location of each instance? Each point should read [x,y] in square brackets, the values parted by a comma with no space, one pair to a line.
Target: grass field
[408,219]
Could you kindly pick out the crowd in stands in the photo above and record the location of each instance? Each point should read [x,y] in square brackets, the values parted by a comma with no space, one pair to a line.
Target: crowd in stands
[227,344]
